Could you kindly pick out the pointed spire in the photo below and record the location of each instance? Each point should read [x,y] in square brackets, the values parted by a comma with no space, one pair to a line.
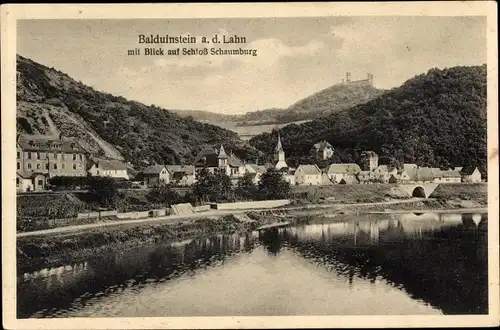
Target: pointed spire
[279,147]
[222,152]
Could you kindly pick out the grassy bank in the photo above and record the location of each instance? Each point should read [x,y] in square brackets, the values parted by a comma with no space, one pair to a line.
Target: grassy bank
[349,193]
[465,191]
[56,249]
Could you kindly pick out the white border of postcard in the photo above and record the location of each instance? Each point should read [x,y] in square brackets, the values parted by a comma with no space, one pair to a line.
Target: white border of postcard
[9,15]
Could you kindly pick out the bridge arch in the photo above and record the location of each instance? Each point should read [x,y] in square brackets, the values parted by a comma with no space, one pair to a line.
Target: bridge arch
[419,192]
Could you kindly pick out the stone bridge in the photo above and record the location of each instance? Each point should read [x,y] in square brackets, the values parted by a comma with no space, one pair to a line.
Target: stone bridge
[419,189]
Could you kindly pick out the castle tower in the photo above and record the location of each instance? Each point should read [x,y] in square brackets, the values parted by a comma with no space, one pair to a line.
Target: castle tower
[279,155]
[348,77]
[369,161]
[222,156]
[370,79]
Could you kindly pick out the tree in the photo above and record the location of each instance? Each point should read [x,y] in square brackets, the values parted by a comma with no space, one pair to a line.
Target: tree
[163,194]
[246,188]
[273,186]
[105,188]
[213,187]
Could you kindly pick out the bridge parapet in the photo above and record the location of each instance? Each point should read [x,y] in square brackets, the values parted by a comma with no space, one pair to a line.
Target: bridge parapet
[419,189]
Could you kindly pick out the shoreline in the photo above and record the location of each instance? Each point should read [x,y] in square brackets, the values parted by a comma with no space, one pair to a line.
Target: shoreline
[56,247]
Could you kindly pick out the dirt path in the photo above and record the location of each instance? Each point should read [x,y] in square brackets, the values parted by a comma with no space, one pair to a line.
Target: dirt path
[211,213]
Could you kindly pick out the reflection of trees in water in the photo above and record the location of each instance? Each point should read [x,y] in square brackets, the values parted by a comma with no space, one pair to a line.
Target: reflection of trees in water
[444,266]
[271,239]
[113,272]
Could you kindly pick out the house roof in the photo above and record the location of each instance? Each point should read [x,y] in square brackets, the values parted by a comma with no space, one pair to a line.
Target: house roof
[349,179]
[187,169]
[451,174]
[436,172]
[322,145]
[51,143]
[424,174]
[256,168]
[154,169]
[349,168]
[309,169]
[210,157]
[467,170]
[28,175]
[107,164]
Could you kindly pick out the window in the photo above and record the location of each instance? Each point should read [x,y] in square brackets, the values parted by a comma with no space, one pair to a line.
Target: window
[97,172]
[18,155]
[74,166]
[37,155]
[17,181]
[37,166]
[18,165]
[81,157]
[29,155]
[29,166]
[55,166]
[74,156]
[47,166]
[62,156]
[40,182]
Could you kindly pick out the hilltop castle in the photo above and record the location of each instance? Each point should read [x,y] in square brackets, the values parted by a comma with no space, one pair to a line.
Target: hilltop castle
[368,81]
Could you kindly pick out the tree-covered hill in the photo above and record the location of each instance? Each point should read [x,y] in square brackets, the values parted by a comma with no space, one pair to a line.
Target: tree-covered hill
[329,100]
[49,101]
[436,119]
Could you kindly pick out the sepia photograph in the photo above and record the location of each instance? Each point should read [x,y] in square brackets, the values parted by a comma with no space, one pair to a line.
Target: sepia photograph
[298,165]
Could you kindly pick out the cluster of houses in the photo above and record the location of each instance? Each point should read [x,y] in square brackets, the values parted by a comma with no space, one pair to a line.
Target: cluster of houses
[41,157]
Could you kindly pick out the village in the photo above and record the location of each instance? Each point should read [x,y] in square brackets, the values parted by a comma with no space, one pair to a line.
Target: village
[41,157]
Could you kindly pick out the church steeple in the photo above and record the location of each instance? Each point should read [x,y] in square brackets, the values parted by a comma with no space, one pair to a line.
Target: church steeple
[279,155]
[279,147]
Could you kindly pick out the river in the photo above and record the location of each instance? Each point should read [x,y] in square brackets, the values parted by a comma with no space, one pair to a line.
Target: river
[347,265]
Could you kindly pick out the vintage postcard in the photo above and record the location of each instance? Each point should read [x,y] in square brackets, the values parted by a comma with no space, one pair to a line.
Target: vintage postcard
[279,165]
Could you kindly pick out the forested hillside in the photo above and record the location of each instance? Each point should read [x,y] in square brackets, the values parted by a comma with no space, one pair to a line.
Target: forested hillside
[49,101]
[436,119]
[329,100]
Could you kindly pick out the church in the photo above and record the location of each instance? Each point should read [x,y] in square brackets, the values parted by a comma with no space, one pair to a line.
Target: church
[280,163]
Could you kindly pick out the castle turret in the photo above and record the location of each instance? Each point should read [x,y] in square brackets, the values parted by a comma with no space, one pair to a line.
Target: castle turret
[222,156]
[370,79]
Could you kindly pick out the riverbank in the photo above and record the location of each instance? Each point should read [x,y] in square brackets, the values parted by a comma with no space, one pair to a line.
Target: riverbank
[61,245]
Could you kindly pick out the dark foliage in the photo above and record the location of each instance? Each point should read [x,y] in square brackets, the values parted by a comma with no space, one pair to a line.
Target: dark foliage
[139,132]
[273,186]
[436,119]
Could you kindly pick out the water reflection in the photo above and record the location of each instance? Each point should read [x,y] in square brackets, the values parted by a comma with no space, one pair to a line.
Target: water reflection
[440,260]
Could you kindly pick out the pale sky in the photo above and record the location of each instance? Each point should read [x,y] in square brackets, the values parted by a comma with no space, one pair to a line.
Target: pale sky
[295,56]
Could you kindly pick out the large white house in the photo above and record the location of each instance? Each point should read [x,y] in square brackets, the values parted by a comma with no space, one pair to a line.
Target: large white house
[109,168]
[308,175]
[471,175]
[337,172]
